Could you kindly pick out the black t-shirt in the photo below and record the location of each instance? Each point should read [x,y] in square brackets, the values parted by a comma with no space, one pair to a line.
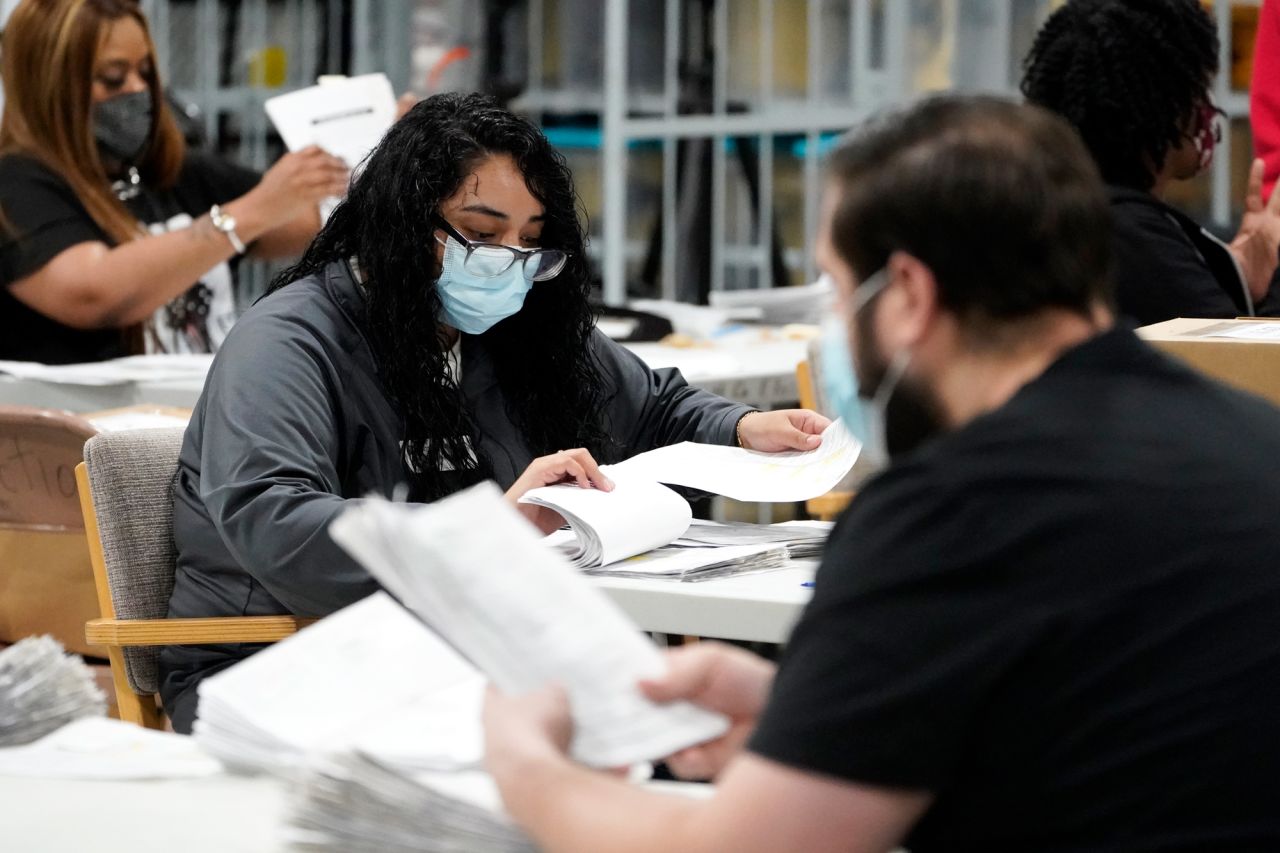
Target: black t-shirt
[1061,619]
[1167,266]
[43,217]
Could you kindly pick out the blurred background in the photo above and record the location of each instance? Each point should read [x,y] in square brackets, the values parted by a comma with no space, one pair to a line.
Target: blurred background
[695,128]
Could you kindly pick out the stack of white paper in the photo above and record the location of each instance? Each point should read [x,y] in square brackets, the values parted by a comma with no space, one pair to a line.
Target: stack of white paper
[370,676]
[356,804]
[676,562]
[637,516]
[42,689]
[802,539]
[779,305]
[625,531]
[117,371]
[478,574]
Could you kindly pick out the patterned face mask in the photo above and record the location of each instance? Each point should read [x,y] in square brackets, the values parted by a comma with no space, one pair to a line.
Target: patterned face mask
[1208,132]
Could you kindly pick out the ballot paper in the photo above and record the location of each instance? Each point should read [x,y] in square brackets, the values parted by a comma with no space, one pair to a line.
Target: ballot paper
[802,539]
[478,574]
[42,688]
[117,371]
[640,514]
[636,516]
[748,475]
[806,303]
[345,116]
[370,677]
[96,748]
[353,804]
[1265,330]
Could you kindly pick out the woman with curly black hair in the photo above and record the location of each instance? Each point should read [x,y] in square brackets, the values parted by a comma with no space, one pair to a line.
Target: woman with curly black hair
[1134,77]
[435,334]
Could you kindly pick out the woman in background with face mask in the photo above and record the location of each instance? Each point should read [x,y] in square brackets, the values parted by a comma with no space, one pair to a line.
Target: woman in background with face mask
[1134,78]
[436,333]
[115,239]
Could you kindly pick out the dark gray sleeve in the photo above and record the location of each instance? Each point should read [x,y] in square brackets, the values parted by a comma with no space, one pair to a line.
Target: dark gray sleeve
[268,475]
[654,408]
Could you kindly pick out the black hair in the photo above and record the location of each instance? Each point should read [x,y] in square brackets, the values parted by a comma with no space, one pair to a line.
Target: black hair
[1000,200]
[553,385]
[1128,74]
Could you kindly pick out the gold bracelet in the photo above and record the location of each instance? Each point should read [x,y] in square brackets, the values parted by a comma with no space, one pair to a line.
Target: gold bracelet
[737,430]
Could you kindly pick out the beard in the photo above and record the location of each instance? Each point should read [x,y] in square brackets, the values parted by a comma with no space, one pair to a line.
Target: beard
[913,414]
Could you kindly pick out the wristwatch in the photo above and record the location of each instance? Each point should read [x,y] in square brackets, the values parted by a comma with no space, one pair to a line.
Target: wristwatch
[226,223]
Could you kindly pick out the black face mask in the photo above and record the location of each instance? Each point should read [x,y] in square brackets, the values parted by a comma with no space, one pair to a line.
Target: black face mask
[122,126]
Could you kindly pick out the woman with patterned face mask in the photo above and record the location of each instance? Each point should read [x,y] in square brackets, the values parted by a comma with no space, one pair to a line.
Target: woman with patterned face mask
[436,333]
[1135,78]
[114,237]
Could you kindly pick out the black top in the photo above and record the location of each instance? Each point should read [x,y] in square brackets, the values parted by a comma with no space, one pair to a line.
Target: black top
[1061,619]
[294,422]
[1167,265]
[44,217]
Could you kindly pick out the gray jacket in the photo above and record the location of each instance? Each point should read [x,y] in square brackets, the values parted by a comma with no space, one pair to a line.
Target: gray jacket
[293,423]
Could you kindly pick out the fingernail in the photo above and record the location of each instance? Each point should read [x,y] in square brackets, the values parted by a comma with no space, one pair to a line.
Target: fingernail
[608,484]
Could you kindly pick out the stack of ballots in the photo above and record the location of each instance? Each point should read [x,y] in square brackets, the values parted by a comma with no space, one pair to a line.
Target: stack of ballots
[710,549]
[641,527]
[356,804]
[377,722]
[383,707]
[42,688]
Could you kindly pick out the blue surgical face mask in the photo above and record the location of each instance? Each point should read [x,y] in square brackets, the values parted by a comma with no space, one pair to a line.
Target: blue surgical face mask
[863,416]
[476,303]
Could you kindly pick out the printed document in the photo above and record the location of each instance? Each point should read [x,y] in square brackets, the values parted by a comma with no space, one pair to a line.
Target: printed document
[346,117]
[479,575]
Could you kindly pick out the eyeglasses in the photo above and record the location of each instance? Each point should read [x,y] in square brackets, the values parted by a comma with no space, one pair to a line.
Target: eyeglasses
[489,259]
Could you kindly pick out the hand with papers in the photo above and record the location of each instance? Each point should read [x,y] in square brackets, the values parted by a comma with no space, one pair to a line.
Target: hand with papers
[475,572]
[784,429]
[626,531]
[573,467]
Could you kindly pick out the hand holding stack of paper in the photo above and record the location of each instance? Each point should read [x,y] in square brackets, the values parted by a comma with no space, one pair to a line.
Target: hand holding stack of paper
[522,615]
[627,532]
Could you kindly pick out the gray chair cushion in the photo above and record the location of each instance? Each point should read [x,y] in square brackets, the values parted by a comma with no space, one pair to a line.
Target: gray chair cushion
[131,476]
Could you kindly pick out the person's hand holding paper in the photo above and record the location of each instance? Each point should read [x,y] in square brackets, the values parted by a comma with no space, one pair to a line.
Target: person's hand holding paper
[573,467]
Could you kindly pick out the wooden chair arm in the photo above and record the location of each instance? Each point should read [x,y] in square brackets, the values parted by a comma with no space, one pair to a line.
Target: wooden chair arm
[186,632]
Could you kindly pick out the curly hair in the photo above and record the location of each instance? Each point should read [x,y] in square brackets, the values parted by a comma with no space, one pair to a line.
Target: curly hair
[1129,74]
[553,385]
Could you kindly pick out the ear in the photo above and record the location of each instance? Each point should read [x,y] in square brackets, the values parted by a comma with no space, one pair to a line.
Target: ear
[911,300]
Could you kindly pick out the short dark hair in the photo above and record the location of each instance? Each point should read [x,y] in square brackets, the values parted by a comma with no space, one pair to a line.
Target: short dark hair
[1129,74]
[1000,200]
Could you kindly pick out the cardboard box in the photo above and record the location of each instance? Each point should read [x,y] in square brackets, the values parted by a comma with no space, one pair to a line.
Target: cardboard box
[1250,360]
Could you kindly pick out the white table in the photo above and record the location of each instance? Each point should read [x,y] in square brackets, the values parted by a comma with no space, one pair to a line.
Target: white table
[759,372]
[217,814]
[761,607]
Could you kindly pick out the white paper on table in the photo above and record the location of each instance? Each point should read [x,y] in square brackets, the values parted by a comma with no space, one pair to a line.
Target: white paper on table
[748,475]
[370,676]
[137,420]
[118,371]
[477,572]
[675,562]
[1267,331]
[100,748]
[346,117]
[638,515]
